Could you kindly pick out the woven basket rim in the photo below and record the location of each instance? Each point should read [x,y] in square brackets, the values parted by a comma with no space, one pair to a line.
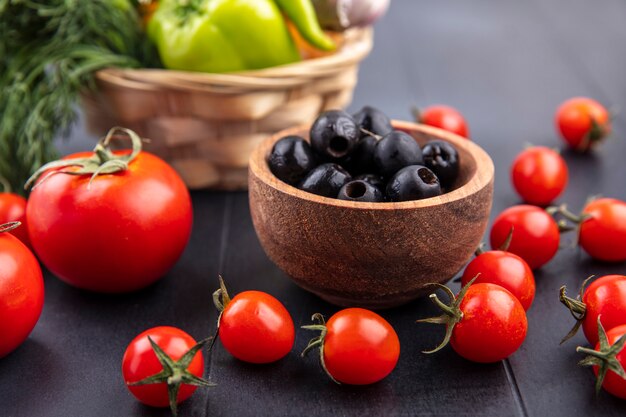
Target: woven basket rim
[357,46]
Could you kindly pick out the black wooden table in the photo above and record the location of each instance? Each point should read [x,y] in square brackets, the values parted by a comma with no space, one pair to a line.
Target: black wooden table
[506,65]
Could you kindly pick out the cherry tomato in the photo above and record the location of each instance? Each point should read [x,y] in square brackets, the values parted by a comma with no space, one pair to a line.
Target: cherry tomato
[21,291]
[539,175]
[609,349]
[535,234]
[582,122]
[115,232]
[505,269]
[446,118]
[13,209]
[358,346]
[254,326]
[141,361]
[605,297]
[484,323]
[603,234]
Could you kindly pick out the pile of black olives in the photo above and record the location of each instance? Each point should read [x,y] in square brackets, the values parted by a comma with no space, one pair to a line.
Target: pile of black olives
[362,158]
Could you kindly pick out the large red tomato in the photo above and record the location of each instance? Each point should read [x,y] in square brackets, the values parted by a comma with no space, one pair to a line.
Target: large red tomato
[21,291]
[114,232]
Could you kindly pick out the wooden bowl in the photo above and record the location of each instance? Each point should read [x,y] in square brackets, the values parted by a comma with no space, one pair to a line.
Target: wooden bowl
[373,255]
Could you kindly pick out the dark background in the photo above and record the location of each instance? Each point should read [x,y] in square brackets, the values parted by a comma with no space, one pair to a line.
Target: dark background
[506,65]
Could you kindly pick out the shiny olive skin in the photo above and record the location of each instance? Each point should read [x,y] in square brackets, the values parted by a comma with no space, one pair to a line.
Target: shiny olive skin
[361,159]
[396,151]
[291,159]
[325,180]
[360,190]
[414,182]
[373,120]
[375,180]
[442,159]
[334,134]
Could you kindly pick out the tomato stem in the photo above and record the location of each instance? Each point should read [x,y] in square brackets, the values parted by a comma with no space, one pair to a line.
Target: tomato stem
[452,313]
[7,227]
[417,114]
[605,358]
[318,342]
[103,161]
[221,299]
[576,306]
[507,242]
[175,373]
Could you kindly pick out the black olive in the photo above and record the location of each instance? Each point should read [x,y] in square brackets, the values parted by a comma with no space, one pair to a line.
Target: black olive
[373,120]
[414,182]
[360,190]
[396,151]
[334,134]
[325,180]
[443,159]
[291,159]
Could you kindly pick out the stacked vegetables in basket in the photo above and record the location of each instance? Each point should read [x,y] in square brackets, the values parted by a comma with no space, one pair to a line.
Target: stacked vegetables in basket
[50,51]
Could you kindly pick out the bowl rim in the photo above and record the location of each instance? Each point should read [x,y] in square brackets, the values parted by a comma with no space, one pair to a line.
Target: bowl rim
[481,178]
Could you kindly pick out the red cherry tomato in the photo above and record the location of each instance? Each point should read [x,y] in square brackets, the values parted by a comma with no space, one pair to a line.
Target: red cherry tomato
[21,292]
[614,383]
[605,297]
[539,175]
[140,362]
[493,327]
[603,234]
[255,327]
[116,233]
[359,346]
[13,209]
[505,269]
[582,122]
[484,323]
[535,234]
[446,118]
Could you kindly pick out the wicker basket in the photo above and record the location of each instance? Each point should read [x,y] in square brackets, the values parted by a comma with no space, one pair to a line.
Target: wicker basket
[206,125]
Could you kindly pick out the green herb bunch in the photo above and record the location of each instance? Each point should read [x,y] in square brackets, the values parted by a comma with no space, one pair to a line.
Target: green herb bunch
[49,51]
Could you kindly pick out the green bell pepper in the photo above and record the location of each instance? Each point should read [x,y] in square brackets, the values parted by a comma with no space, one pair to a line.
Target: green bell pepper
[232,35]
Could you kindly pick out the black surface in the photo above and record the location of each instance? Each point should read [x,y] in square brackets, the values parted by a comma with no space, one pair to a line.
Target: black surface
[506,65]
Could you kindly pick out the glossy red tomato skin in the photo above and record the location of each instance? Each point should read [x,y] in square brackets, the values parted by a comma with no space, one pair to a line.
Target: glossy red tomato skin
[255,327]
[446,118]
[21,293]
[535,234]
[140,362]
[122,234]
[603,235]
[574,120]
[613,383]
[493,326]
[606,296]
[13,209]
[505,269]
[539,175]
[360,347]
